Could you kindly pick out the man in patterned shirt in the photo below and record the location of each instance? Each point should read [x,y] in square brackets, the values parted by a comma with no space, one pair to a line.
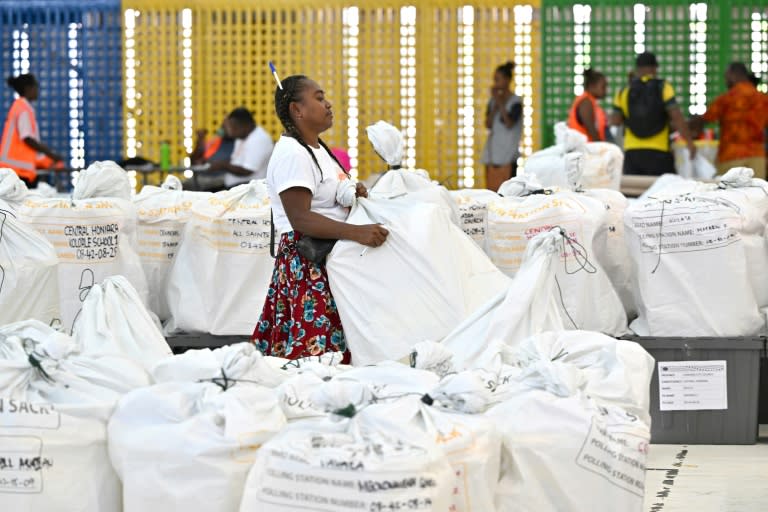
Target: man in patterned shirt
[743,116]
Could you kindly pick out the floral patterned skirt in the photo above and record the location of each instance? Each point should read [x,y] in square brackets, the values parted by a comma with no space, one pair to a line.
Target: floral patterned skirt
[299,318]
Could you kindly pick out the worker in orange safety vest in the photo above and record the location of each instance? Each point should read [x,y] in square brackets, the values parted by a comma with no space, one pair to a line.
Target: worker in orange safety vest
[20,147]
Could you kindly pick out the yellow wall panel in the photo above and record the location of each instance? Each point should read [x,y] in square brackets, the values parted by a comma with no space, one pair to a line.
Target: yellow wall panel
[231,43]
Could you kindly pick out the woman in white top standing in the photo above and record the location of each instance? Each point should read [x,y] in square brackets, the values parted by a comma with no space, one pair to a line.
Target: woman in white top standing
[307,187]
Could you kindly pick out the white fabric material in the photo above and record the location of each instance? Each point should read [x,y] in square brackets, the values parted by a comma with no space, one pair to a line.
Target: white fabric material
[513,221]
[603,166]
[611,246]
[114,321]
[670,184]
[251,153]
[103,179]
[163,212]
[439,274]
[388,142]
[56,418]
[574,421]
[222,269]
[702,263]
[415,187]
[207,432]
[473,211]
[699,168]
[292,166]
[29,280]
[554,168]
[25,125]
[527,307]
[13,191]
[375,457]
[94,239]
[346,193]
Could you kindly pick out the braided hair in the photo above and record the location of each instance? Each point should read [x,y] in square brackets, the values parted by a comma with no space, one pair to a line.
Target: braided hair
[291,92]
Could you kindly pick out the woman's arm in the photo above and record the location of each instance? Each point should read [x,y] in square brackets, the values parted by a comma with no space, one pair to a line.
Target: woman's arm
[587,118]
[42,148]
[297,202]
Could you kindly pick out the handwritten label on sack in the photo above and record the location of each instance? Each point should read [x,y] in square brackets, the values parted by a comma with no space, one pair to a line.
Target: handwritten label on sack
[18,413]
[473,217]
[617,456]
[693,385]
[686,224]
[293,483]
[22,465]
[244,235]
[159,242]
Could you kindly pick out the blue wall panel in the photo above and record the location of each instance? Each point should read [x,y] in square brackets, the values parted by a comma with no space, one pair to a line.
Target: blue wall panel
[75,50]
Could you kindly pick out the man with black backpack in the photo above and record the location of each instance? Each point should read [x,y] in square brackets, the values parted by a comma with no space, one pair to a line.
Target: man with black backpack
[647,108]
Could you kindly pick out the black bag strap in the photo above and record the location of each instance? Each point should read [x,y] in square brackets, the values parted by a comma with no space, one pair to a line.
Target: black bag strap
[272,234]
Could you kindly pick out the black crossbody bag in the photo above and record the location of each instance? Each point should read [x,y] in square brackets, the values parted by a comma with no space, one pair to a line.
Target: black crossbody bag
[315,250]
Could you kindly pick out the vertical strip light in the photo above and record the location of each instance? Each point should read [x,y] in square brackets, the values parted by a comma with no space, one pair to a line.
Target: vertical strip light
[697,92]
[639,28]
[466,72]
[759,64]
[408,82]
[350,42]
[76,134]
[524,74]
[582,17]
[20,51]
[130,81]
[186,42]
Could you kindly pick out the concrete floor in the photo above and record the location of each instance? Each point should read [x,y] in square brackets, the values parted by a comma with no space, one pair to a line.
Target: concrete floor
[706,478]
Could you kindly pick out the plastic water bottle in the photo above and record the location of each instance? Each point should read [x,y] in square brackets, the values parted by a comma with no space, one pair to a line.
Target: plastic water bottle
[165,155]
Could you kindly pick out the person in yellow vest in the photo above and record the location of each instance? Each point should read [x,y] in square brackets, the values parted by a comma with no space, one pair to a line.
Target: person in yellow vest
[647,109]
[586,114]
[20,146]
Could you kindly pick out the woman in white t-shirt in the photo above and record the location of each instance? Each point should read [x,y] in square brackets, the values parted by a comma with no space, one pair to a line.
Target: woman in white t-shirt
[310,194]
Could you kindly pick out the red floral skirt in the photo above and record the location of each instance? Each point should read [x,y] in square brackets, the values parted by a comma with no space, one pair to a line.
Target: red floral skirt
[299,318]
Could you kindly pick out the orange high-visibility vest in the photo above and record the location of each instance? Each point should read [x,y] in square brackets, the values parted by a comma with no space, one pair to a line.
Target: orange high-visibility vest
[600,118]
[14,152]
[212,147]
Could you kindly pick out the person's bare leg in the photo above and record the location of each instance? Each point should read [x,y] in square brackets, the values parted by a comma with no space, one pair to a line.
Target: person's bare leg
[495,175]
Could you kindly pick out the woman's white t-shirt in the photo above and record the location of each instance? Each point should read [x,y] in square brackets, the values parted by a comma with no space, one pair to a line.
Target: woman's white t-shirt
[291,166]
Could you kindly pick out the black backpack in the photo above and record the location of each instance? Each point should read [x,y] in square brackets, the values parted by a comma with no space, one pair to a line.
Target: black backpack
[647,112]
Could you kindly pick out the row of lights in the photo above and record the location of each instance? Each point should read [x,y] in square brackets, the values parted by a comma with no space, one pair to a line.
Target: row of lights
[20,52]
[582,18]
[350,42]
[76,134]
[759,60]
[523,51]
[698,54]
[130,81]
[466,89]
[186,43]
[639,18]
[408,82]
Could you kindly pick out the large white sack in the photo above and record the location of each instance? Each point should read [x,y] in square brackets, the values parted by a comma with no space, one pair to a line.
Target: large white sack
[103,179]
[603,166]
[588,299]
[115,321]
[415,187]
[187,442]
[29,280]
[221,273]
[375,459]
[565,446]
[473,211]
[94,239]
[13,191]
[750,195]
[697,282]
[528,306]
[553,167]
[611,246]
[53,418]
[163,212]
[426,278]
